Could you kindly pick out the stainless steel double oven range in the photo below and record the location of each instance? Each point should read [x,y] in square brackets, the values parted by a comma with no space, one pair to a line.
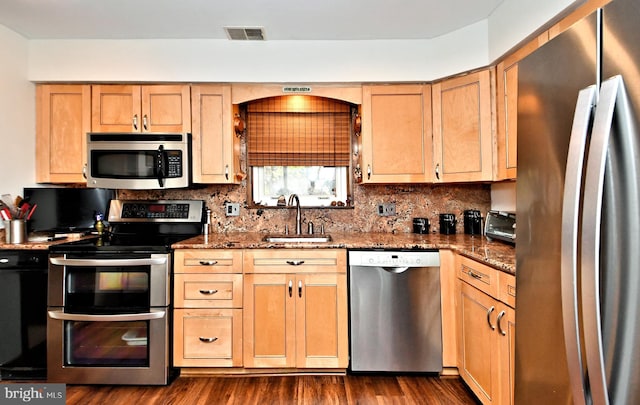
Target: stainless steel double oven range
[109,298]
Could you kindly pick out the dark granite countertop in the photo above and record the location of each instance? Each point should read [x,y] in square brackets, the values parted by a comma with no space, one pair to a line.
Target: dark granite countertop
[493,253]
[501,256]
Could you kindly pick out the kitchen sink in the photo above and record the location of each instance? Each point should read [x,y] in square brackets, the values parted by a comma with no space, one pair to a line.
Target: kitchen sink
[310,238]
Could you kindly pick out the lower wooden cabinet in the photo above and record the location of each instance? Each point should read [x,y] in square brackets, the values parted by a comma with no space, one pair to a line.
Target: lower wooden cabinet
[207,325]
[486,331]
[296,318]
[207,337]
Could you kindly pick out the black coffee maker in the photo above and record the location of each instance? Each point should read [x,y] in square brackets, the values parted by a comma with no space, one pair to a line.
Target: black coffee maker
[472,222]
[448,224]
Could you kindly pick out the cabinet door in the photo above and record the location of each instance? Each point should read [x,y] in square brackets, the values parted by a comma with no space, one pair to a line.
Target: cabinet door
[507,348]
[507,109]
[207,338]
[166,108]
[116,108]
[396,134]
[478,351]
[507,114]
[269,320]
[321,321]
[63,119]
[463,128]
[214,145]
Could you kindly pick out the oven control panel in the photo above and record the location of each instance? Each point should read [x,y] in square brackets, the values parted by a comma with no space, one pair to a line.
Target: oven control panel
[156,211]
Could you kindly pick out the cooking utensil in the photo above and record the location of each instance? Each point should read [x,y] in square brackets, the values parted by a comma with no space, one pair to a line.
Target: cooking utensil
[5,214]
[33,208]
[23,210]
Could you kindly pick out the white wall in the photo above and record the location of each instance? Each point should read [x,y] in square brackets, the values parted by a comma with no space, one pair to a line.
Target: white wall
[249,61]
[503,196]
[17,115]
[515,20]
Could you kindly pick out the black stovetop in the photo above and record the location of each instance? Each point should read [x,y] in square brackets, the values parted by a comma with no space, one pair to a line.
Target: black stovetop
[118,243]
[142,226]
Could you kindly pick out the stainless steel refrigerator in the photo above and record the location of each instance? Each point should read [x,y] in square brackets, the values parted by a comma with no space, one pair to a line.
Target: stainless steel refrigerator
[578,213]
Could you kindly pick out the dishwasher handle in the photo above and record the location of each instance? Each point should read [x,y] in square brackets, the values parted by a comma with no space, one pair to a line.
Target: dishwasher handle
[395,270]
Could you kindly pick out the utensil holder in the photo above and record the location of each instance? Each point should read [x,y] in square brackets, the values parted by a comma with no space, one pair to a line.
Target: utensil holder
[15,231]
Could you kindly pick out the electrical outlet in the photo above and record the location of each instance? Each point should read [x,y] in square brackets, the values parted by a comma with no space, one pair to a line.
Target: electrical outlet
[232,209]
[386,209]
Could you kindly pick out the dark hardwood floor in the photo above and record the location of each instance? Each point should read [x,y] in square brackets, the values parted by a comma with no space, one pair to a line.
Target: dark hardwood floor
[263,390]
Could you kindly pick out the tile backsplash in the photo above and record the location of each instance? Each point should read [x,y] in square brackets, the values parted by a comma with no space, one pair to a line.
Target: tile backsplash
[410,200]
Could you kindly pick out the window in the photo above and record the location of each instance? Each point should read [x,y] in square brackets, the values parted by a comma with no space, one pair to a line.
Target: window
[302,145]
[316,186]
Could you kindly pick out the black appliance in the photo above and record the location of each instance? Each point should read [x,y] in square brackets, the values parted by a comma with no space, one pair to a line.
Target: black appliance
[109,297]
[66,210]
[23,314]
[472,222]
[448,224]
[421,225]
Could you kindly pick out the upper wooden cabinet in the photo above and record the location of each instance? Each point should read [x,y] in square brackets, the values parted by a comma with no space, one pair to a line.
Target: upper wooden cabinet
[507,109]
[63,117]
[396,134]
[215,147]
[463,128]
[134,108]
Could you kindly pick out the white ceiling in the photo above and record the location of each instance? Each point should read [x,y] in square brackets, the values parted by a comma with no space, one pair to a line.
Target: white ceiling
[281,19]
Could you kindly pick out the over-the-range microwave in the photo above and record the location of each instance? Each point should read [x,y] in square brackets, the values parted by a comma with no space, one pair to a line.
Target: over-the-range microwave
[138,161]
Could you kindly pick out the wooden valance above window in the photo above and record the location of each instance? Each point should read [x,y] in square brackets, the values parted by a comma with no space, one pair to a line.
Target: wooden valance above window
[298,131]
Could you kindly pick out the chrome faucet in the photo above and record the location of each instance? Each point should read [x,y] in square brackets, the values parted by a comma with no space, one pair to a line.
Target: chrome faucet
[293,197]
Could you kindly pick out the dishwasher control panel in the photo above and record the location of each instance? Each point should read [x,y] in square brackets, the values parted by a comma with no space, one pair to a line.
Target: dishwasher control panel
[394,258]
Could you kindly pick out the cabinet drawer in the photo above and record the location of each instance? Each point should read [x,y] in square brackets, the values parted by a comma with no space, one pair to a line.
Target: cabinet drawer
[507,289]
[208,338]
[208,290]
[482,277]
[208,261]
[295,261]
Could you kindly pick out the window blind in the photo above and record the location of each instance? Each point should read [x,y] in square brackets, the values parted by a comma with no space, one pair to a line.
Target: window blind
[298,131]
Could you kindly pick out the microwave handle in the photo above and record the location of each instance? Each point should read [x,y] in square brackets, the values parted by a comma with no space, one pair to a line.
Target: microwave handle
[161,165]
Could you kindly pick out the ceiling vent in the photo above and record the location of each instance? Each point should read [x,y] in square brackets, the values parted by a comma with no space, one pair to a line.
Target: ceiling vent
[245,33]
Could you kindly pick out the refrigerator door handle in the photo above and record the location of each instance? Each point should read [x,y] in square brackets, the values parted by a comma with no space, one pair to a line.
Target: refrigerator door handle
[569,241]
[591,238]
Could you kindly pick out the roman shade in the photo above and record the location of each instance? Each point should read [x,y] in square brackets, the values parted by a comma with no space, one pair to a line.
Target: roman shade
[298,131]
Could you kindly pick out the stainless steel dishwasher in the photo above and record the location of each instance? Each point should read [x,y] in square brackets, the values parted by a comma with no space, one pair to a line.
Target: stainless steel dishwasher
[395,312]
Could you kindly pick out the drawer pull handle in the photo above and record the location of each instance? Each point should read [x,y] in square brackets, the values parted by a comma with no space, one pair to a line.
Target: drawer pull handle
[474,275]
[295,262]
[208,292]
[207,340]
[489,317]
[500,316]
[208,262]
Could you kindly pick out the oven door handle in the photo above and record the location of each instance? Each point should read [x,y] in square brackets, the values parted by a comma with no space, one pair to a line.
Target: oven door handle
[58,261]
[63,316]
